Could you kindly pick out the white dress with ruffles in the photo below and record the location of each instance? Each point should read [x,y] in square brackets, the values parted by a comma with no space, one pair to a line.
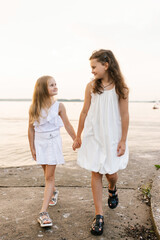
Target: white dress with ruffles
[48,143]
[102,133]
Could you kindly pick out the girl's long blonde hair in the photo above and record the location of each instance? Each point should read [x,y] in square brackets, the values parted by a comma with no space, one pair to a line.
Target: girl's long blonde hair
[114,72]
[41,98]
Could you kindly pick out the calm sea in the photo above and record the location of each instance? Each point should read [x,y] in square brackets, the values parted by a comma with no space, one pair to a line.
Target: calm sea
[14,147]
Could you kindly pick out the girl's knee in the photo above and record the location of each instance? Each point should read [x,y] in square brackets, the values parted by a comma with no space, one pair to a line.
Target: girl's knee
[49,178]
[96,175]
[111,177]
[49,173]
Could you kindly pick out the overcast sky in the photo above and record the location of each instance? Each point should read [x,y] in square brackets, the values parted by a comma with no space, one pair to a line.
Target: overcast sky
[51,37]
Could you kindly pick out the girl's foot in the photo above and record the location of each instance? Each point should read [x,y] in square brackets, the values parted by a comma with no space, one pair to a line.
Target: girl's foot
[97,225]
[44,219]
[113,198]
[54,198]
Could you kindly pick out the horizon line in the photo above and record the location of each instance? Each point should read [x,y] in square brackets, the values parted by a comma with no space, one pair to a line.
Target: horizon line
[62,100]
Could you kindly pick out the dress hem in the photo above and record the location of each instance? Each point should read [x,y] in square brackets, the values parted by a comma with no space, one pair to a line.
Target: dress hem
[111,172]
[52,164]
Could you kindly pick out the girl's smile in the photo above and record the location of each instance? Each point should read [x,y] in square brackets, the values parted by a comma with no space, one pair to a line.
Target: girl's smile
[98,69]
[52,87]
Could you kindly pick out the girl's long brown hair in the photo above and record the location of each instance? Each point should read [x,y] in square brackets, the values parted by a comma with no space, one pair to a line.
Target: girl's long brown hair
[41,98]
[114,72]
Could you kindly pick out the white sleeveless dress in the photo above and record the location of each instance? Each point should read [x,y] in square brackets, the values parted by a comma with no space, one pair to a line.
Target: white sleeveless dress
[102,133]
[48,143]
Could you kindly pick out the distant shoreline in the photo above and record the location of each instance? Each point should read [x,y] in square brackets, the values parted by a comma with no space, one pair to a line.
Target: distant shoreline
[29,100]
[64,100]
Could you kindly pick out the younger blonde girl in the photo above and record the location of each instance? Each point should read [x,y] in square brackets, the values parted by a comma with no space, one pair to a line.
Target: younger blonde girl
[46,117]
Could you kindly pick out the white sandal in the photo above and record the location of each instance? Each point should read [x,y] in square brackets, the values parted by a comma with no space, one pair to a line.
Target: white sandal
[54,200]
[44,219]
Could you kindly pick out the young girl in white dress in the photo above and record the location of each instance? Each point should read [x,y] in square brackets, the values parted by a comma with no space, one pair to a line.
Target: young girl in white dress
[45,119]
[105,120]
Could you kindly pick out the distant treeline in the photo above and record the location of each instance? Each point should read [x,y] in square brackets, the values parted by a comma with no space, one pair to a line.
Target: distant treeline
[29,100]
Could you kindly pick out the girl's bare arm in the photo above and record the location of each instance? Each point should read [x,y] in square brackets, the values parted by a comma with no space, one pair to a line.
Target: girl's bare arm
[31,134]
[86,106]
[69,128]
[123,104]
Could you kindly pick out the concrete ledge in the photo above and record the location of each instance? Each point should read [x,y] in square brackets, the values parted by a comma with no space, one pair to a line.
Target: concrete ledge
[155,203]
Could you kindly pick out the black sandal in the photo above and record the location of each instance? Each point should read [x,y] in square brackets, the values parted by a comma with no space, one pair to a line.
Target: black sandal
[113,200]
[97,224]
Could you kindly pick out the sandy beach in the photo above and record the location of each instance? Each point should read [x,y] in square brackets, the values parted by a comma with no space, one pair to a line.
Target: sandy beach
[21,189]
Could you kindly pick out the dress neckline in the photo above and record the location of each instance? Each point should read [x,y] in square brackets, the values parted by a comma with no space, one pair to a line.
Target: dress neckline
[53,104]
[109,89]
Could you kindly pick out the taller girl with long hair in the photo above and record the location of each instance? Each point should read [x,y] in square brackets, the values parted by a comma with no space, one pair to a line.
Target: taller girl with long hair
[45,119]
[105,120]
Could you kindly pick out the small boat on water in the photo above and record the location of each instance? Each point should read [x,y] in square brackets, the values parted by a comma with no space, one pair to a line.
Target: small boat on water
[156,105]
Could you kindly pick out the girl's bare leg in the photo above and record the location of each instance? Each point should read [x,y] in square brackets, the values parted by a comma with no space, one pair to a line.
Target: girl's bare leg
[49,186]
[113,196]
[44,169]
[96,183]
[112,179]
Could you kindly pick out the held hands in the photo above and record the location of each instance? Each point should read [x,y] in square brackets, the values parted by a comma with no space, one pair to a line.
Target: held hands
[77,143]
[121,148]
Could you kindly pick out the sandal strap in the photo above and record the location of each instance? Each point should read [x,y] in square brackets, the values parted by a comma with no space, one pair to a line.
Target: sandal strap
[55,192]
[98,217]
[113,200]
[115,196]
[112,191]
[97,223]
[55,196]
[47,218]
[43,213]
[44,219]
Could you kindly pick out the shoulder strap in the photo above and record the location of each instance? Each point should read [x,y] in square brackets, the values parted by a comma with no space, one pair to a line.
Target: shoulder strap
[57,106]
